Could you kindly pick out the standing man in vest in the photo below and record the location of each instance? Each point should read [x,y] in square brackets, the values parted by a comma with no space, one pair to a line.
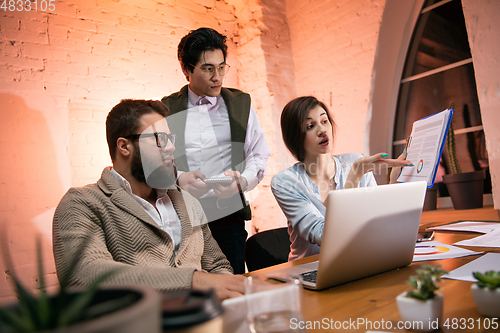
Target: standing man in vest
[218,134]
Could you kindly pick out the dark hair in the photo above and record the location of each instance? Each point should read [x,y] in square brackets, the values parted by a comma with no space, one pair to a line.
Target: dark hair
[123,119]
[198,41]
[294,123]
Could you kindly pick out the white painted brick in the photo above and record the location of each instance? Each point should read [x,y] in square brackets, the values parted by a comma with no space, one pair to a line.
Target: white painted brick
[108,72]
[71,44]
[79,35]
[9,23]
[69,68]
[36,51]
[80,115]
[146,77]
[180,18]
[25,37]
[21,62]
[89,59]
[127,84]
[33,27]
[55,77]
[193,8]
[119,42]
[58,31]
[222,16]
[30,75]
[8,74]
[100,38]
[224,6]
[74,23]
[9,49]
[149,5]
[65,8]
[205,3]
[106,95]
[101,15]
[65,89]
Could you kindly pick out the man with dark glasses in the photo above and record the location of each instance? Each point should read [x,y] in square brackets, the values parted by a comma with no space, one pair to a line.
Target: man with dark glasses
[136,218]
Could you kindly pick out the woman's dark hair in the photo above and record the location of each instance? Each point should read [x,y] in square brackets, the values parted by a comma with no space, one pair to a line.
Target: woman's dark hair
[123,119]
[198,41]
[294,123]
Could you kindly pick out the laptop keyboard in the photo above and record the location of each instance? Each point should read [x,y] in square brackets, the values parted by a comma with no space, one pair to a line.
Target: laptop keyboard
[310,276]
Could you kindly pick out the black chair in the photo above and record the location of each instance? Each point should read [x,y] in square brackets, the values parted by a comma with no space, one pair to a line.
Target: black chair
[267,248]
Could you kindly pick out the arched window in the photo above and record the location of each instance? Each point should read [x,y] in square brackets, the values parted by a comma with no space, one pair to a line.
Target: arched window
[439,71]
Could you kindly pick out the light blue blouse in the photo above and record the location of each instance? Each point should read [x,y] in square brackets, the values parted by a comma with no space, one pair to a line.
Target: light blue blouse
[300,200]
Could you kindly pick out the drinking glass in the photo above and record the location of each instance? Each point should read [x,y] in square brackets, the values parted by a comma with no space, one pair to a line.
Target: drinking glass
[273,307]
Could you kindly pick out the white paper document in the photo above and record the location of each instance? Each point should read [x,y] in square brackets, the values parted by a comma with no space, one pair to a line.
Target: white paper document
[424,147]
[491,239]
[433,250]
[482,227]
[488,262]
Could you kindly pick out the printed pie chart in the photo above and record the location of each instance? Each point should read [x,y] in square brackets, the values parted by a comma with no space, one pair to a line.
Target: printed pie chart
[424,250]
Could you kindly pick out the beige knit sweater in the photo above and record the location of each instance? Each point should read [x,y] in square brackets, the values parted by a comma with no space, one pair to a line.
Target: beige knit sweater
[123,235]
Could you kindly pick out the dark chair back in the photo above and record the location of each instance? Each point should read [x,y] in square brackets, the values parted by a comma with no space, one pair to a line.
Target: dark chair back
[267,248]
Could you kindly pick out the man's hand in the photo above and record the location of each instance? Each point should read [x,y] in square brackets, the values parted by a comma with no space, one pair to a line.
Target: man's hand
[190,181]
[225,192]
[225,285]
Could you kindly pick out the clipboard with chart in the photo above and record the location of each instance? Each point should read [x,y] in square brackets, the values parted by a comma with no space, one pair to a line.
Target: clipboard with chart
[425,147]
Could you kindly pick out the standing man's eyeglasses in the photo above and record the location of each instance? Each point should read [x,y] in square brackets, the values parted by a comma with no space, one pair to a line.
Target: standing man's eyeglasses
[209,70]
[161,138]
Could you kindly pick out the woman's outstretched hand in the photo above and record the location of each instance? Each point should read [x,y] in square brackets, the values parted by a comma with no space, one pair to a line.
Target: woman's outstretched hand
[375,162]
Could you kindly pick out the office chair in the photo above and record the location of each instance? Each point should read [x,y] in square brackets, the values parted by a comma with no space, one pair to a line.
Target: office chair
[267,248]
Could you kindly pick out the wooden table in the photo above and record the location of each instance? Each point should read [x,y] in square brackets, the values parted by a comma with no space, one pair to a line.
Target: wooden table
[373,299]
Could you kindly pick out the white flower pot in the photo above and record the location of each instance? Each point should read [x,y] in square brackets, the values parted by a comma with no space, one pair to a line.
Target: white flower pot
[425,316]
[487,300]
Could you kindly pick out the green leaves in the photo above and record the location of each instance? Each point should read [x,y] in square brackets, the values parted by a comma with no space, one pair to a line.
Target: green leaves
[425,282]
[490,279]
[39,312]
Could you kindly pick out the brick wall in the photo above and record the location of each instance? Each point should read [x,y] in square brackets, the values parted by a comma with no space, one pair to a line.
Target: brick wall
[333,46]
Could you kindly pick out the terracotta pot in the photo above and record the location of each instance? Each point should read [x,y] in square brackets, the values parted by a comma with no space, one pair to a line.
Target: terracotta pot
[487,300]
[466,189]
[430,202]
[425,316]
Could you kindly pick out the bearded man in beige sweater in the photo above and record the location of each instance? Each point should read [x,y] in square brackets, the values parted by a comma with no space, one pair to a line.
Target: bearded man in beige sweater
[136,219]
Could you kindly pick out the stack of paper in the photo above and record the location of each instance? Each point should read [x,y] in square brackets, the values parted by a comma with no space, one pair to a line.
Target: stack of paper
[425,146]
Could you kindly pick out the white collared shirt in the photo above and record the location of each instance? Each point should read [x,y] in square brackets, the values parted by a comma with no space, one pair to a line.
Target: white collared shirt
[164,214]
[208,140]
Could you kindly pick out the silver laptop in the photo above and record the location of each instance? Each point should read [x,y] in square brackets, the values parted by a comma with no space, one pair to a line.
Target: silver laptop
[367,231]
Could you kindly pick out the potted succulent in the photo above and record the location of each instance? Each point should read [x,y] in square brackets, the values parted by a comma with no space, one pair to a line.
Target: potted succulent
[422,304]
[465,188]
[486,293]
[93,309]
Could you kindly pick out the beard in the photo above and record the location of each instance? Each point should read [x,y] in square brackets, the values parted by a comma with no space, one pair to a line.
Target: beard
[159,176]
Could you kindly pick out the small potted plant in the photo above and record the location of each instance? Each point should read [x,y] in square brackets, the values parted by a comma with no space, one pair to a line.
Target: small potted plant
[486,293]
[422,304]
[90,310]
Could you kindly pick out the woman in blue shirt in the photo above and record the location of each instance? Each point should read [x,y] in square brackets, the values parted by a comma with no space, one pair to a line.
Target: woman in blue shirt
[308,133]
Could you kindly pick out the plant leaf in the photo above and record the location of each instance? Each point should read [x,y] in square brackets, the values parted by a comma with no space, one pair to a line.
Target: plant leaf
[43,301]
[74,310]
[14,321]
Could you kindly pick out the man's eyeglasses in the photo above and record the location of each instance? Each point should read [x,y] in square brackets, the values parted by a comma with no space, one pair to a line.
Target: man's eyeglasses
[161,138]
[209,70]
